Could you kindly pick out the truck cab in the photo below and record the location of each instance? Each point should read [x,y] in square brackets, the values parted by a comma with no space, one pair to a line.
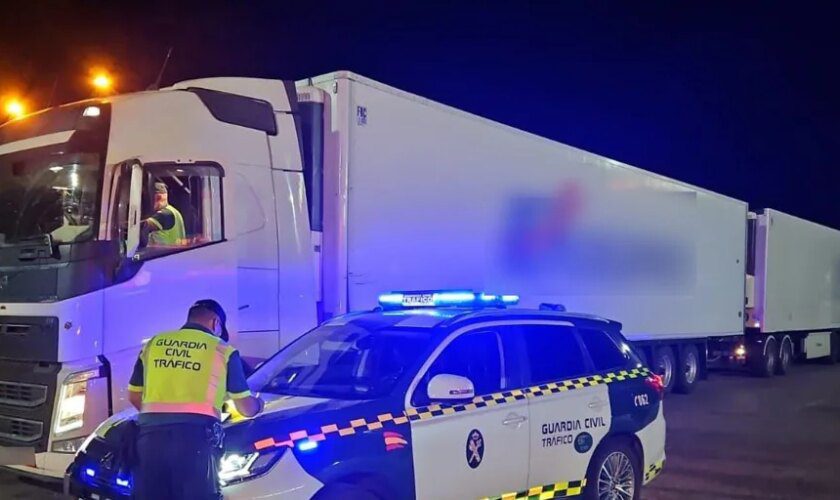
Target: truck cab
[82,285]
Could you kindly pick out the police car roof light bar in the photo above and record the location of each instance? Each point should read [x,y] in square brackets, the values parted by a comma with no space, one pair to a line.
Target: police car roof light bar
[444,298]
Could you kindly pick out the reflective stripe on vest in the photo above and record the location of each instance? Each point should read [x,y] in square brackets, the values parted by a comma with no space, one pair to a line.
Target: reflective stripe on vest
[175,235]
[185,372]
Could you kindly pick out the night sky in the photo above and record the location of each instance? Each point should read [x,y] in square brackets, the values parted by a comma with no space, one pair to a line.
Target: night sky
[739,97]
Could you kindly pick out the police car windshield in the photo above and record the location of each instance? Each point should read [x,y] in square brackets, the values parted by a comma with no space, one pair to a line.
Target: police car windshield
[342,362]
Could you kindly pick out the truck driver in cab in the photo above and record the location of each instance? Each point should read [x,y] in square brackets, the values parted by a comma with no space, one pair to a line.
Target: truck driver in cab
[166,226]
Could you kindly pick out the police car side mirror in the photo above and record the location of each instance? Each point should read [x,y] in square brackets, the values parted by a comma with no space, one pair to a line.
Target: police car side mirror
[445,387]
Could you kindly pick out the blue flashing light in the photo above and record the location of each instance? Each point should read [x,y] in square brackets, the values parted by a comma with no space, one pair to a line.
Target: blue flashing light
[90,472]
[448,298]
[123,482]
[307,445]
[393,299]
[453,298]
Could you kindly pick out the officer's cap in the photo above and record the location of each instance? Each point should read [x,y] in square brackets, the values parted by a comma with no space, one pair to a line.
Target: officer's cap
[217,309]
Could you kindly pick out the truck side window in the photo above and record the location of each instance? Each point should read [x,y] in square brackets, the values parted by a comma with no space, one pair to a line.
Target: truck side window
[474,355]
[182,208]
[553,353]
[605,354]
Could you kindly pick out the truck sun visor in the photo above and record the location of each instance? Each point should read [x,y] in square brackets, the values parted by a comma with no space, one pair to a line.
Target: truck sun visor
[238,110]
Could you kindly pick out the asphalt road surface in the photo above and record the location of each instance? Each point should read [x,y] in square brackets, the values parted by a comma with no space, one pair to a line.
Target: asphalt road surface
[736,437]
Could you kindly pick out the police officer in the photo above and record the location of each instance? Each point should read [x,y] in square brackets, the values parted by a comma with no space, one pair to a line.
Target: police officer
[166,226]
[179,384]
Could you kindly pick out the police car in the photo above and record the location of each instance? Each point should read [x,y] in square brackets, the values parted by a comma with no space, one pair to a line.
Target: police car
[436,395]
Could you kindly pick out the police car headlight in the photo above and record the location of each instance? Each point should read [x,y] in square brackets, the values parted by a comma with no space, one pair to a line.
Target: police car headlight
[235,467]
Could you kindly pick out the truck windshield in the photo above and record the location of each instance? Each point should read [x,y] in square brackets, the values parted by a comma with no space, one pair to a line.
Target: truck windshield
[52,195]
[343,362]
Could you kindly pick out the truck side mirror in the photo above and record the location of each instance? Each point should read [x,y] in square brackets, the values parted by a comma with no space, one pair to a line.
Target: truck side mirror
[446,387]
[132,241]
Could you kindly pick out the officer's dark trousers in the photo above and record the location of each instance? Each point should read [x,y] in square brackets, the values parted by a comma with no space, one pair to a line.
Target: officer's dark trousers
[175,461]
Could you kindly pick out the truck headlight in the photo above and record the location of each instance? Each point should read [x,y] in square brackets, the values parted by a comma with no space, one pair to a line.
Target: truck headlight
[235,467]
[71,404]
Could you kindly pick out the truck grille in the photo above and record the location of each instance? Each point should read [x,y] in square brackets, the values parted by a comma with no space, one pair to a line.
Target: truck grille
[20,394]
[13,329]
[28,338]
[27,392]
[21,430]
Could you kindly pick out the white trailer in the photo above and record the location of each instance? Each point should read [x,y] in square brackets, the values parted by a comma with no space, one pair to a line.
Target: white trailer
[424,196]
[306,200]
[793,295]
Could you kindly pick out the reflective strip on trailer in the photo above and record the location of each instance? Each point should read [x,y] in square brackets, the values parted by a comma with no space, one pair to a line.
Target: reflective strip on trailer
[556,490]
[437,410]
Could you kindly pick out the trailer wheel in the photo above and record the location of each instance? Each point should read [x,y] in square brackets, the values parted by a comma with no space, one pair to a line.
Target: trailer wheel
[689,368]
[665,363]
[785,356]
[763,362]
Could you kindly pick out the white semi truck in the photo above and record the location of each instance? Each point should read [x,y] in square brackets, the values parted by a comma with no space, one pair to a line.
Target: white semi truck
[305,200]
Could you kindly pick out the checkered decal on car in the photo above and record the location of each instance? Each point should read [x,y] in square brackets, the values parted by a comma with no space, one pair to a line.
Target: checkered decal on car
[654,471]
[556,490]
[438,410]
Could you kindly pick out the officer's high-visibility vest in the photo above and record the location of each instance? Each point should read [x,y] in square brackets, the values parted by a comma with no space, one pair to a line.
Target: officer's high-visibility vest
[185,371]
[175,235]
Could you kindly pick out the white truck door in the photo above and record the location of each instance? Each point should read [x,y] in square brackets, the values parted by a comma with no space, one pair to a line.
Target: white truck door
[569,417]
[470,450]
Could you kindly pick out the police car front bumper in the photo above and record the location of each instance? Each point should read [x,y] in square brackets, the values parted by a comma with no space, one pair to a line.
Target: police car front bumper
[93,489]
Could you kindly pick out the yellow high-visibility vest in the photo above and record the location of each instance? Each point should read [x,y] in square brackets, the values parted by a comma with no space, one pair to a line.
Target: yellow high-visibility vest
[175,235]
[185,371]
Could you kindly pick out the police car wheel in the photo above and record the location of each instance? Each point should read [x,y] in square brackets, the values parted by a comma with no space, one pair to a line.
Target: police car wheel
[344,491]
[614,473]
[664,364]
[688,371]
[785,357]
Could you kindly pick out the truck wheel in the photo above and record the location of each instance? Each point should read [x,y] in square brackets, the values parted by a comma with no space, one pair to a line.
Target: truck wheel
[763,360]
[688,370]
[785,356]
[614,472]
[665,363]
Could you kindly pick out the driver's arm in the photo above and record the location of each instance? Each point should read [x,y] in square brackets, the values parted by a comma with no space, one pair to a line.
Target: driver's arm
[159,221]
[246,403]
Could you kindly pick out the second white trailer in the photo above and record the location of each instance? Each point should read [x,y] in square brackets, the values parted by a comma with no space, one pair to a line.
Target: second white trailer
[793,294]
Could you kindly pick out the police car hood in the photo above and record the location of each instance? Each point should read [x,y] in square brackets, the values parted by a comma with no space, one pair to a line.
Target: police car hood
[288,419]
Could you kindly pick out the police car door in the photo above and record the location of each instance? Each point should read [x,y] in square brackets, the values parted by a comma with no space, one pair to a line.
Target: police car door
[570,413]
[477,447]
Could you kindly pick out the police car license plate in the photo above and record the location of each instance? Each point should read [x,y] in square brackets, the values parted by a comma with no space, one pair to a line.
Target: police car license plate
[421,300]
